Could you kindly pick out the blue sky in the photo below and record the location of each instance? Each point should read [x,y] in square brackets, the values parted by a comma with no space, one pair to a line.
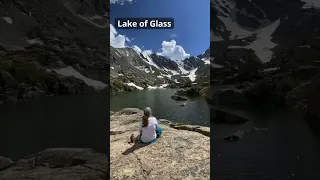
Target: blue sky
[190,36]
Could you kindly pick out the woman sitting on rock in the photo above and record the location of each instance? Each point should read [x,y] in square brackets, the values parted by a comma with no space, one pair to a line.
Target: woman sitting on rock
[149,130]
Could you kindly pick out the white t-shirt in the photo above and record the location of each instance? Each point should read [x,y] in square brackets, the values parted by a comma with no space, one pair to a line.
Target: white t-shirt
[149,132]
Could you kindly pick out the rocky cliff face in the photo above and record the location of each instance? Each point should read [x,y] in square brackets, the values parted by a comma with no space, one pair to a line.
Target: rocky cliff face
[143,71]
[270,51]
[52,47]
[182,152]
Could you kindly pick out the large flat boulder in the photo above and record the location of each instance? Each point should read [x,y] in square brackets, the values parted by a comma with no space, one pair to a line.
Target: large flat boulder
[183,151]
[178,98]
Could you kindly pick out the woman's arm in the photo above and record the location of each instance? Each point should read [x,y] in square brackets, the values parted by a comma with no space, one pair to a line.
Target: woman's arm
[140,128]
[156,125]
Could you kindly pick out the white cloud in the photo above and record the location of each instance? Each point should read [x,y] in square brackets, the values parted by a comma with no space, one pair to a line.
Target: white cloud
[117,40]
[169,49]
[121,2]
[127,39]
[173,35]
[173,51]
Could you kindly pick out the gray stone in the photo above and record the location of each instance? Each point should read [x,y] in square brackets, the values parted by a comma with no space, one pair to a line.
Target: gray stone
[60,163]
[5,163]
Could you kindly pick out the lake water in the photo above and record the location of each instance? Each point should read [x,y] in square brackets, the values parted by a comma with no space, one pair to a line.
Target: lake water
[66,121]
[288,150]
[195,112]
[83,120]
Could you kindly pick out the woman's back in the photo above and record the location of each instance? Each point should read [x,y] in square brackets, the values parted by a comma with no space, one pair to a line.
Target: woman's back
[149,132]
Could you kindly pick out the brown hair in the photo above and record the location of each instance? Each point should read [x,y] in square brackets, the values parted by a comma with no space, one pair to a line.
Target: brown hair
[145,120]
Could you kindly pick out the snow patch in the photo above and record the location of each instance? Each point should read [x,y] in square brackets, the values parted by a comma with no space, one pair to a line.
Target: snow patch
[117,54]
[120,74]
[270,69]
[95,17]
[35,41]
[160,87]
[183,71]
[93,23]
[176,81]
[206,60]
[305,46]
[311,4]
[152,87]
[168,76]
[160,77]
[7,19]
[263,44]
[236,30]
[134,85]
[142,68]
[112,67]
[192,75]
[243,61]
[215,66]
[173,72]
[164,85]
[146,54]
[70,71]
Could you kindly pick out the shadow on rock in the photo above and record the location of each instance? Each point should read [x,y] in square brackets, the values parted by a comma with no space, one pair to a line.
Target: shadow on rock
[133,148]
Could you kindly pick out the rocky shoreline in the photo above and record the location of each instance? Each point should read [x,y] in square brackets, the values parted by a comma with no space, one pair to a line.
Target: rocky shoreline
[57,164]
[182,152]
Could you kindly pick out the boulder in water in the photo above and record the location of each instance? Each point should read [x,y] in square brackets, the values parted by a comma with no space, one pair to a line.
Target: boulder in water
[178,98]
[239,134]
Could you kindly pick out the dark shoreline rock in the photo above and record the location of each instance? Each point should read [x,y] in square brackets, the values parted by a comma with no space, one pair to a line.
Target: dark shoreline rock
[59,163]
[239,134]
[5,163]
[222,117]
[227,97]
[178,98]
[196,90]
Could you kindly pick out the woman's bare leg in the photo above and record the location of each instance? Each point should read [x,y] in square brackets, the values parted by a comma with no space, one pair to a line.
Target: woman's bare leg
[134,139]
